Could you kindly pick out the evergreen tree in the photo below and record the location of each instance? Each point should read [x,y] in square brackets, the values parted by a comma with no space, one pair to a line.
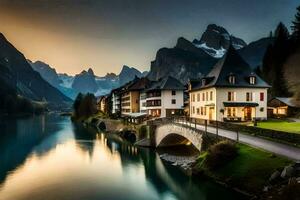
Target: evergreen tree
[273,62]
[296,26]
[77,103]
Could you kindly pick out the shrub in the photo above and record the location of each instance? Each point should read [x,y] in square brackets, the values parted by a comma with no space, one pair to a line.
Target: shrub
[143,132]
[220,154]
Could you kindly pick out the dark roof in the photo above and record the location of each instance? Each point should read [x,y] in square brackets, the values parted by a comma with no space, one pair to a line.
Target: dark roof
[140,84]
[240,104]
[167,83]
[231,64]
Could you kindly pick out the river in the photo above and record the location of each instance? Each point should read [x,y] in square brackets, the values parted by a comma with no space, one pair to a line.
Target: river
[49,158]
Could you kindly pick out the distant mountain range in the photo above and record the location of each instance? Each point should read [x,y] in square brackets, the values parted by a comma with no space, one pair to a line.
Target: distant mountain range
[17,77]
[190,60]
[86,81]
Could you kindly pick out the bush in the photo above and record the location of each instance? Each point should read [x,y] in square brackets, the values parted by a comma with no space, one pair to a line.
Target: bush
[143,132]
[220,154]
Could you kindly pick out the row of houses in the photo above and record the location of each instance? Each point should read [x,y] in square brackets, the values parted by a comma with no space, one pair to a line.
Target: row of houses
[144,98]
[232,91]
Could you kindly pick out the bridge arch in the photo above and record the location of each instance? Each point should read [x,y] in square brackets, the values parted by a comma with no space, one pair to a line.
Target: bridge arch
[173,130]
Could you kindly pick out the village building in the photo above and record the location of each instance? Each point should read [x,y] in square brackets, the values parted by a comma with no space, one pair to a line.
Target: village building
[283,107]
[103,104]
[230,92]
[165,98]
[133,97]
[116,101]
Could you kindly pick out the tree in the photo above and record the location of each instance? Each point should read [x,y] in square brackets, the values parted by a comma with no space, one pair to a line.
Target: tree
[296,26]
[77,103]
[85,105]
[273,62]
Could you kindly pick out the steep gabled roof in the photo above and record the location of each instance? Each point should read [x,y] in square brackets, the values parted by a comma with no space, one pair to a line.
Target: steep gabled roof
[140,84]
[167,83]
[231,64]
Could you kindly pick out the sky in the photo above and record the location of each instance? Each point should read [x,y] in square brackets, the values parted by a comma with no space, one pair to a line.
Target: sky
[73,35]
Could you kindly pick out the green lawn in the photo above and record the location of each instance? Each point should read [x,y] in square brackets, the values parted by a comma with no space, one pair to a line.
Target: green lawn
[281,125]
[250,170]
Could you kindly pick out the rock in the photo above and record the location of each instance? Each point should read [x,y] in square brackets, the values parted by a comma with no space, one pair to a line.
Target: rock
[266,188]
[297,165]
[287,172]
[274,176]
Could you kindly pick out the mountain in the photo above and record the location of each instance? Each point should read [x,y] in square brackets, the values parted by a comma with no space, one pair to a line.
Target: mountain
[190,60]
[254,52]
[85,82]
[184,61]
[127,74]
[48,73]
[216,40]
[22,79]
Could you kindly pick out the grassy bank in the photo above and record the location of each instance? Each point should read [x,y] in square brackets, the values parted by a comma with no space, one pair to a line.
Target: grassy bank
[281,125]
[248,171]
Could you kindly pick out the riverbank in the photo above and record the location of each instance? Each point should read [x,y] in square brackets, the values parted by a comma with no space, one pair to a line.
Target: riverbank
[249,172]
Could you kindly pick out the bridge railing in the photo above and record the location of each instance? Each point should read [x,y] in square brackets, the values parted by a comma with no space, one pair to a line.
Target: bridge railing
[286,137]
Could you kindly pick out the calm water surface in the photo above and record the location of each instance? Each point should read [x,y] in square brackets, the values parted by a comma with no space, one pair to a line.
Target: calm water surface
[49,158]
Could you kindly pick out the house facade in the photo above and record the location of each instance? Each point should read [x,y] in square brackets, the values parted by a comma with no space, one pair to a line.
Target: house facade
[230,92]
[283,107]
[165,98]
[116,101]
[103,104]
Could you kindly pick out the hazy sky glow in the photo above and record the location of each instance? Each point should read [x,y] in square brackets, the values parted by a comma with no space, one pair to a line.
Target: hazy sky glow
[72,35]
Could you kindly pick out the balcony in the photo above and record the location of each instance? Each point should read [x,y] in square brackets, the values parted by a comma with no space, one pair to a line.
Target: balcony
[153,103]
[153,94]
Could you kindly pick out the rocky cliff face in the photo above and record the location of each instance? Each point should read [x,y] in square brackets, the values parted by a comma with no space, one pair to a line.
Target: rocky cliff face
[216,40]
[23,78]
[185,61]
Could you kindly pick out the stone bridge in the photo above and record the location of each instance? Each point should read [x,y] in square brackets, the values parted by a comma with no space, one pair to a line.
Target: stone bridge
[171,133]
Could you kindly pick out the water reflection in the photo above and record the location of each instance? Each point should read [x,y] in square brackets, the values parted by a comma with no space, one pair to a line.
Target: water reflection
[49,158]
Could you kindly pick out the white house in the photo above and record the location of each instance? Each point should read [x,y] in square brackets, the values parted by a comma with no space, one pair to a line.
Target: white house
[116,101]
[165,98]
[230,92]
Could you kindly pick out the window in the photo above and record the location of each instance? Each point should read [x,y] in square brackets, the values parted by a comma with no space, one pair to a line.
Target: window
[203,96]
[206,96]
[252,80]
[173,101]
[262,96]
[231,96]
[203,110]
[193,97]
[211,95]
[198,111]
[231,79]
[173,92]
[231,112]
[203,82]
[198,97]
[249,96]
[193,110]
